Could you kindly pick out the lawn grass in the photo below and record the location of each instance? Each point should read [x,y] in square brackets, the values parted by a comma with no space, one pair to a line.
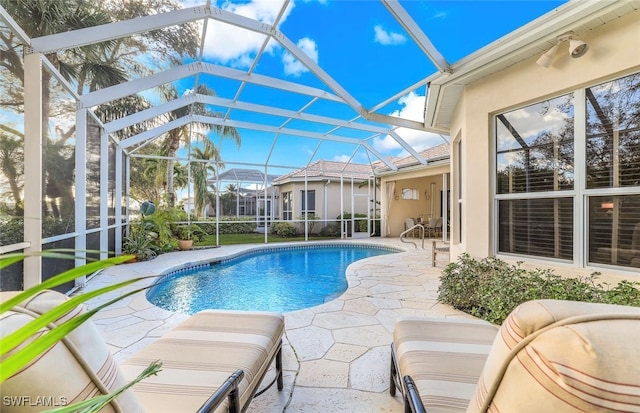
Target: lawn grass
[253,238]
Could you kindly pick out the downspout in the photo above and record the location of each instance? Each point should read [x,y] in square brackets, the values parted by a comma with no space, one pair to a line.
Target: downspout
[326,204]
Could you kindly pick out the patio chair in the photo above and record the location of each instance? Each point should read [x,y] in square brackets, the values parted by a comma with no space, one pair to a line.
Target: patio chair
[409,223]
[212,362]
[548,356]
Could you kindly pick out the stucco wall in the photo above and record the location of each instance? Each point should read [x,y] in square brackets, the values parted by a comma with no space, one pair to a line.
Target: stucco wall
[614,51]
[399,209]
[331,201]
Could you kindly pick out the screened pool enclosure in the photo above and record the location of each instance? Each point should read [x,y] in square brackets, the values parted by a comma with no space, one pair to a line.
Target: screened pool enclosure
[100,101]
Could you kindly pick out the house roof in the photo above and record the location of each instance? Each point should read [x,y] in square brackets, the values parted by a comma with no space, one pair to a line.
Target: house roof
[433,154]
[241,175]
[530,40]
[320,170]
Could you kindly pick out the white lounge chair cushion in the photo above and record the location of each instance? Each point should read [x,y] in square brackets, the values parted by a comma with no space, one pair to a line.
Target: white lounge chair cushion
[200,353]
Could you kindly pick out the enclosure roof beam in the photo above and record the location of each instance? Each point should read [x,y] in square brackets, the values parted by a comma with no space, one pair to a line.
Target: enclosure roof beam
[269,30]
[137,85]
[150,113]
[116,30]
[408,148]
[406,21]
[14,26]
[229,103]
[155,132]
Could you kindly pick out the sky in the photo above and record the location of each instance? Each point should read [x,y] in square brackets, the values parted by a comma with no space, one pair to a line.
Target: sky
[360,46]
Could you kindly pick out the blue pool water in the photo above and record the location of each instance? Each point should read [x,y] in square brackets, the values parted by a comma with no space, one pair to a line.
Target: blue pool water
[273,280]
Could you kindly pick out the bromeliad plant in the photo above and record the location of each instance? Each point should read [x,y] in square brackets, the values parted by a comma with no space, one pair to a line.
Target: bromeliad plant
[15,356]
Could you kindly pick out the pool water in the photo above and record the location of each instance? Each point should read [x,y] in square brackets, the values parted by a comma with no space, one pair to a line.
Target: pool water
[273,280]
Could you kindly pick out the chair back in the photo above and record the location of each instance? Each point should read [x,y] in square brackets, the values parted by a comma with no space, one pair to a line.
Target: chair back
[561,357]
[408,223]
[75,369]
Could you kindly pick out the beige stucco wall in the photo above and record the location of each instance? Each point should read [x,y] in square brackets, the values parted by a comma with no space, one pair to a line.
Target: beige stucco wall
[331,198]
[614,51]
[399,209]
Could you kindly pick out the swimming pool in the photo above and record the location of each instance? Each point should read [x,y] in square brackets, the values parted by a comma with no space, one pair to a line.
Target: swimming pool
[275,279]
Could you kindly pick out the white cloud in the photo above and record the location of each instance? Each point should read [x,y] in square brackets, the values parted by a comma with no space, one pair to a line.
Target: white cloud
[342,158]
[387,38]
[232,45]
[413,109]
[293,66]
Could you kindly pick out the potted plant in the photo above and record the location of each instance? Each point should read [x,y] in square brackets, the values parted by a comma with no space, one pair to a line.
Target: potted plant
[186,234]
[139,244]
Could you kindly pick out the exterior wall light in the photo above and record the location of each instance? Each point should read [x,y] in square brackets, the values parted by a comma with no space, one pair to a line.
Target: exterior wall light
[577,48]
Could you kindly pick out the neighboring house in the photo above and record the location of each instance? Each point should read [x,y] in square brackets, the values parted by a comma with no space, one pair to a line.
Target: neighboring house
[327,189]
[415,190]
[545,161]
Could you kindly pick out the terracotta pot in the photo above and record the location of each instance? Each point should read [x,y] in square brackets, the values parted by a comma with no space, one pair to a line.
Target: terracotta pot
[185,244]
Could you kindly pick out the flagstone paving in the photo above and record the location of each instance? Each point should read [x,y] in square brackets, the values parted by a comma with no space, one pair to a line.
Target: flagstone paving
[335,356]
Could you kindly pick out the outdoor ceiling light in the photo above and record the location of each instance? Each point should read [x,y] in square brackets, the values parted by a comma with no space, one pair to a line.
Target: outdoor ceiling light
[577,48]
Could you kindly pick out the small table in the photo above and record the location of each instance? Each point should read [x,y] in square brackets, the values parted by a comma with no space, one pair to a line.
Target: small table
[435,250]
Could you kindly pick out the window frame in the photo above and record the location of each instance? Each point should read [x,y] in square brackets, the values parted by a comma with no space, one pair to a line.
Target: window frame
[580,193]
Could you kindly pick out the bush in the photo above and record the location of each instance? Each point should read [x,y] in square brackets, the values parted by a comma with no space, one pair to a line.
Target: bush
[247,226]
[283,229]
[490,288]
[331,230]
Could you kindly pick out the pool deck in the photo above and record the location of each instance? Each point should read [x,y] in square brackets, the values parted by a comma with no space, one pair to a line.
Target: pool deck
[335,356]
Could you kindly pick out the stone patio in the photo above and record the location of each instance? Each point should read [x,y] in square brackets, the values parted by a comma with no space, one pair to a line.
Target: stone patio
[336,355]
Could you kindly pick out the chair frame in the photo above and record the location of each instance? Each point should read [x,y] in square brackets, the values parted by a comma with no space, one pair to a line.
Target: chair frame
[229,389]
[410,395]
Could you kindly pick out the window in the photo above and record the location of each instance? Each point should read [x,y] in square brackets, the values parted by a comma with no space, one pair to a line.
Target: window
[409,193]
[543,195]
[308,198]
[613,172]
[534,154]
[287,206]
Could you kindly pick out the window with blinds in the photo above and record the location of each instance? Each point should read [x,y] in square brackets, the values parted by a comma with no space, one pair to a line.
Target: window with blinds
[614,230]
[535,153]
[534,147]
[540,226]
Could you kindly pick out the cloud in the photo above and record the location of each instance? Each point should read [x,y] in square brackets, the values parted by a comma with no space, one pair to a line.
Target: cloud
[441,15]
[413,109]
[387,38]
[293,66]
[235,46]
[342,158]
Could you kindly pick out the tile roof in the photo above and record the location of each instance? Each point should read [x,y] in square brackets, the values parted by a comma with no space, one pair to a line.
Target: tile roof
[329,169]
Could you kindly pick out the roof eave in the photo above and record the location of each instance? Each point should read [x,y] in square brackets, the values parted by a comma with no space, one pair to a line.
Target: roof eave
[529,40]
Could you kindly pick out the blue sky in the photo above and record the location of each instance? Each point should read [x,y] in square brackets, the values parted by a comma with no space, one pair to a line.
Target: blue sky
[361,46]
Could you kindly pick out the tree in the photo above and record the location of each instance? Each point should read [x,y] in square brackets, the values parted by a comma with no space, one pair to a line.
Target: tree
[200,173]
[11,163]
[184,134]
[89,67]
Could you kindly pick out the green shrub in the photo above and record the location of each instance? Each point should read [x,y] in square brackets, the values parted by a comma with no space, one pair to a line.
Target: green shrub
[244,226]
[283,229]
[490,288]
[331,230]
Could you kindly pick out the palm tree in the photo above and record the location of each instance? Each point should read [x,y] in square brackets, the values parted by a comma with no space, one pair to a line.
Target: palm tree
[90,67]
[185,133]
[229,197]
[200,172]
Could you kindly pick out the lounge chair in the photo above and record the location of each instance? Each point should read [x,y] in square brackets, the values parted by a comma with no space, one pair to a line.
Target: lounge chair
[548,356]
[212,362]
